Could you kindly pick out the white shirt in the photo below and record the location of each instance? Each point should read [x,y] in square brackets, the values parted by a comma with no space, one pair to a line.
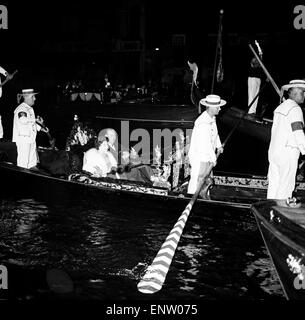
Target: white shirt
[282,133]
[98,162]
[25,128]
[204,139]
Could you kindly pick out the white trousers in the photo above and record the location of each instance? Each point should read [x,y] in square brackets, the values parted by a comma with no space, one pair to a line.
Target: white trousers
[26,155]
[1,129]
[253,89]
[198,170]
[281,176]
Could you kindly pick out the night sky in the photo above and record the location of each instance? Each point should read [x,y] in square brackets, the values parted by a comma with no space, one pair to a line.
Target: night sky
[37,28]
[43,19]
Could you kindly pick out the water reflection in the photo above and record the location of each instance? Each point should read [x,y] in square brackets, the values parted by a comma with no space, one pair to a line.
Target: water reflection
[105,252]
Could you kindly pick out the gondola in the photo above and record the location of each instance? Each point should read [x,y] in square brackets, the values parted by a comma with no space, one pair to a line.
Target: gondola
[109,191]
[259,128]
[283,232]
[228,190]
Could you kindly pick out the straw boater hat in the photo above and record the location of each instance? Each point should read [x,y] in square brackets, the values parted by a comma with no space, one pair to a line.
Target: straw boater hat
[212,100]
[25,92]
[294,84]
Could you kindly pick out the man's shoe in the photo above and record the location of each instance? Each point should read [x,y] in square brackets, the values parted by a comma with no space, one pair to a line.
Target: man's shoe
[289,203]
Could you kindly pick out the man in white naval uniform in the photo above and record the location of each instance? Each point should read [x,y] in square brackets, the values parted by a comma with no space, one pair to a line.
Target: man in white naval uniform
[286,144]
[204,141]
[25,130]
[5,73]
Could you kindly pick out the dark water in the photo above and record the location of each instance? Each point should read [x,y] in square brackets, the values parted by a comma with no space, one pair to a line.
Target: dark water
[105,252]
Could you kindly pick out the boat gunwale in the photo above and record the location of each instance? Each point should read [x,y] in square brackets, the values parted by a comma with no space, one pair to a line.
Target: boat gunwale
[268,225]
[238,205]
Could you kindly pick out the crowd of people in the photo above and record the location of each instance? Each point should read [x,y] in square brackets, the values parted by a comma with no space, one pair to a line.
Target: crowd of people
[114,92]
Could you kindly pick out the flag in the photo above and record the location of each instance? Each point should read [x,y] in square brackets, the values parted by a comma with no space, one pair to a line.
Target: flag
[219,74]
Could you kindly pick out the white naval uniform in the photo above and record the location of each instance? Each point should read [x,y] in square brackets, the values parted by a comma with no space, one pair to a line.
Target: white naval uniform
[204,141]
[24,134]
[287,141]
[3,72]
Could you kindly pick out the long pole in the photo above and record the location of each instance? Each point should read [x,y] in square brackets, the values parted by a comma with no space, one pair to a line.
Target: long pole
[155,274]
[8,78]
[217,49]
[266,71]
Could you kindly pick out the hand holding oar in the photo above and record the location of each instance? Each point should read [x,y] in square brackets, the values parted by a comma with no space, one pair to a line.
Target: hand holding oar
[8,78]
[46,130]
[155,275]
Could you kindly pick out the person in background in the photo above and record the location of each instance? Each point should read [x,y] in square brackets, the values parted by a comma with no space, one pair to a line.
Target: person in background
[4,73]
[25,129]
[204,141]
[254,83]
[286,144]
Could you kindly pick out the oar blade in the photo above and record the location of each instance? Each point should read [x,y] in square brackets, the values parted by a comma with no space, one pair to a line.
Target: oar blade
[152,282]
[155,274]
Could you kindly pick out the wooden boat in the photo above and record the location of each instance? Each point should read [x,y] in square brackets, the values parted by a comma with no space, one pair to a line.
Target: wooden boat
[283,232]
[109,191]
[259,128]
[229,190]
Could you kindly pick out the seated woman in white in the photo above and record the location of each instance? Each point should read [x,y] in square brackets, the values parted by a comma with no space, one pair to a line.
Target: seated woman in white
[99,160]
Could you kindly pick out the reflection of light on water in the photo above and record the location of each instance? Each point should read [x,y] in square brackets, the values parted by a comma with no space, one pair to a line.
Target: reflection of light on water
[26,223]
[135,273]
[263,270]
[30,210]
[20,216]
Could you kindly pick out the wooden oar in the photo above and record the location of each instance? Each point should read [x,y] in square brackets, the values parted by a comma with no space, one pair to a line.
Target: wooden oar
[8,78]
[155,274]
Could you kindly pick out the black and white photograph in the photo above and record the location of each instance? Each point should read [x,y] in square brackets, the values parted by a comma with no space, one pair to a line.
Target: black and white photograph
[152,154]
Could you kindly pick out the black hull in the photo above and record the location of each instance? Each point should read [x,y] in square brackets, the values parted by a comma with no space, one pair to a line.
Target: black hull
[228,190]
[37,185]
[284,237]
[254,127]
